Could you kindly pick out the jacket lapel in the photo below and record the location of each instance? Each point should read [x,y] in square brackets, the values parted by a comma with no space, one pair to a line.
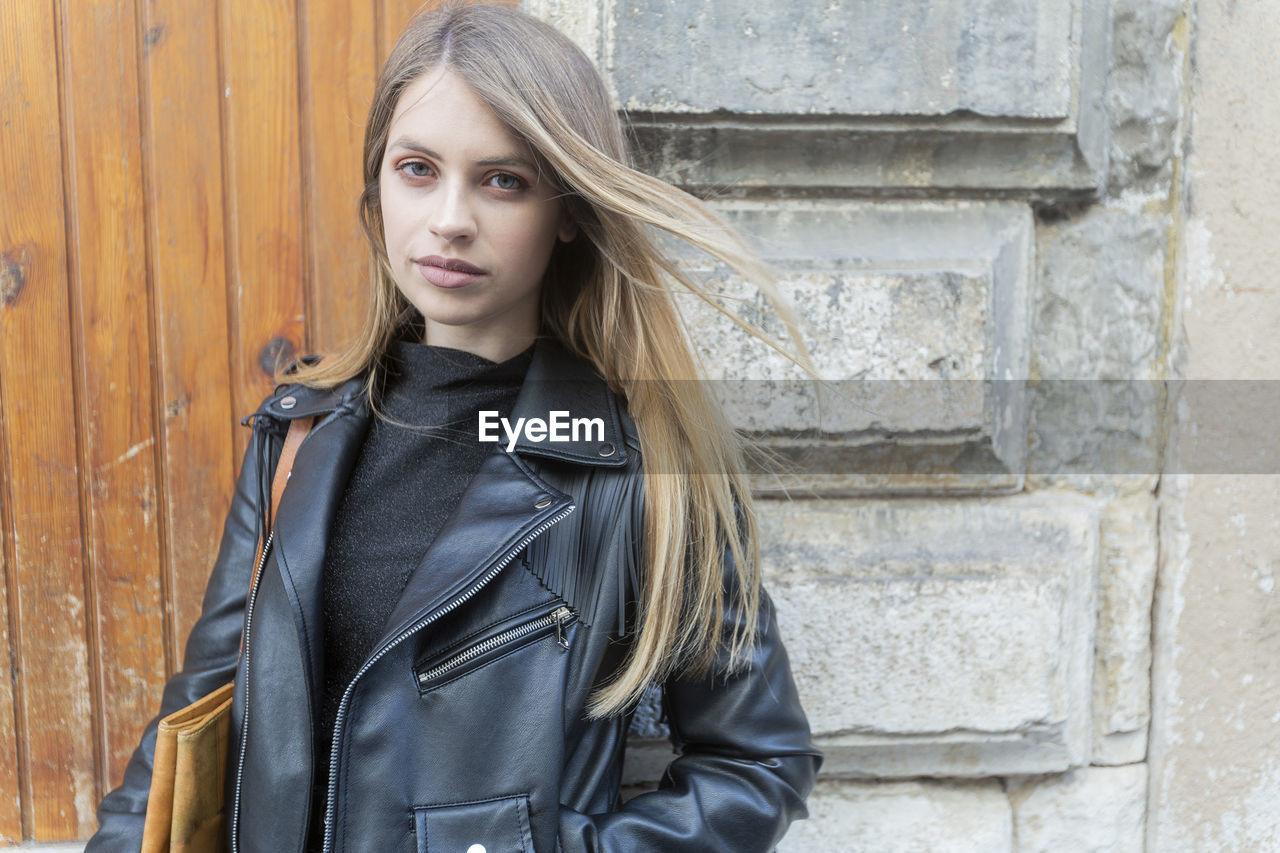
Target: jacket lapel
[305,518]
[505,506]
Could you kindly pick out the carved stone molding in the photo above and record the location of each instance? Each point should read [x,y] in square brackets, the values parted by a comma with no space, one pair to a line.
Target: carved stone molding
[916,314]
[847,97]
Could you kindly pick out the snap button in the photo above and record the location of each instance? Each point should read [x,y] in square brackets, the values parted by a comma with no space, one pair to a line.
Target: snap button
[476,848]
[542,504]
[288,402]
[605,449]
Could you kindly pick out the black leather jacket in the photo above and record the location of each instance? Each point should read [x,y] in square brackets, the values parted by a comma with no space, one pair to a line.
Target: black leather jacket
[466,725]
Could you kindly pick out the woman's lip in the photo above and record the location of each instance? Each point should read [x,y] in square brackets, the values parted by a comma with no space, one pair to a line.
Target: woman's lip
[444,277]
[448,272]
[456,264]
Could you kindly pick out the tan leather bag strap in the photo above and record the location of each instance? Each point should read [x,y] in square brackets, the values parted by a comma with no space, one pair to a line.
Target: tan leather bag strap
[298,430]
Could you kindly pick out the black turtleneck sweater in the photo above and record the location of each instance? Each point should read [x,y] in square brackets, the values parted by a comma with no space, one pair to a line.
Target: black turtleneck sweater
[416,461]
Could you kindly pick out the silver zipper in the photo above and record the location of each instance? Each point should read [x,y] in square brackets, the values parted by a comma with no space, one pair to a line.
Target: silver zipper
[559,618]
[331,795]
[244,728]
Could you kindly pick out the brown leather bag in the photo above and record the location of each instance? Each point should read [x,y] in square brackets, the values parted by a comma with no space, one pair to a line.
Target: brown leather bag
[185,810]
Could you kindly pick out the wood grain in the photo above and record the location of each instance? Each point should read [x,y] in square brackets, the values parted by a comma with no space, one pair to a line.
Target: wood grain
[178,189]
[183,162]
[263,195]
[105,205]
[54,714]
[338,68]
[10,799]
[393,15]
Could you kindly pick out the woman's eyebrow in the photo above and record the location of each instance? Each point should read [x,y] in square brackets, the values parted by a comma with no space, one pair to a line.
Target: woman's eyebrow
[501,160]
[508,160]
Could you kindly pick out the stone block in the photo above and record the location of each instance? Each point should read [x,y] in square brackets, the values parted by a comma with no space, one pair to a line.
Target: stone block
[1144,98]
[740,56]
[947,639]
[916,313]
[581,20]
[1100,408]
[1088,810]
[854,96]
[904,817]
[1122,661]
[1101,279]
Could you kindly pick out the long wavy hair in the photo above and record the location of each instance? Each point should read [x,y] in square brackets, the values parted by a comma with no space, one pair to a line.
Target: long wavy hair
[608,297]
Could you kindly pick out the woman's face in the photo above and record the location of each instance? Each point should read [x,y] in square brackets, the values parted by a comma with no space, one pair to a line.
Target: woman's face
[469,227]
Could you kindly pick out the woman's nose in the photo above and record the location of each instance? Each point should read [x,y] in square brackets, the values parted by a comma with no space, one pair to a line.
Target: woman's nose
[451,217]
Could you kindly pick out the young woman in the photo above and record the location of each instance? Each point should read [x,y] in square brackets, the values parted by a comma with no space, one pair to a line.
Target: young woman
[448,635]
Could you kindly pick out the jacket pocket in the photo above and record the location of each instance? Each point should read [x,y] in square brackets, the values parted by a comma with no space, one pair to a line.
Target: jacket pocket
[499,825]
[499,642]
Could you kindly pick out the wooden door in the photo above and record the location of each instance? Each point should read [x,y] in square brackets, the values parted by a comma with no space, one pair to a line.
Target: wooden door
[178,190]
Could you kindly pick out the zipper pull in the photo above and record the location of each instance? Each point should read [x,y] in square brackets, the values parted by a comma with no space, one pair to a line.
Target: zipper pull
[561,616]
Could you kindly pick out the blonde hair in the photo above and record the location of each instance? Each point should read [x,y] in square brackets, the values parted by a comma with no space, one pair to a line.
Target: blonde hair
[608,297]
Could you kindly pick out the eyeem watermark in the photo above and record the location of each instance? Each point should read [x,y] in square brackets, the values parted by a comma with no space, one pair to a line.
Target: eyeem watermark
[557,427]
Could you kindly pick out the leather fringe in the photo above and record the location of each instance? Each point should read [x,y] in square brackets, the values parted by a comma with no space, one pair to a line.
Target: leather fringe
[263,431]
[569,560]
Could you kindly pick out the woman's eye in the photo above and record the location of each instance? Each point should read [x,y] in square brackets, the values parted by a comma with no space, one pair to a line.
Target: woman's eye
[504,181]
[416,168]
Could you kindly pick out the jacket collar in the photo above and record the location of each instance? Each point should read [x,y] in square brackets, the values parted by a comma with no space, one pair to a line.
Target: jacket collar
[561,382]
[557,381]
[505,504]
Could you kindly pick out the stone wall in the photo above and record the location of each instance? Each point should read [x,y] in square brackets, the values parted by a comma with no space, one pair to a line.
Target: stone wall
[1215,733]
[980,210]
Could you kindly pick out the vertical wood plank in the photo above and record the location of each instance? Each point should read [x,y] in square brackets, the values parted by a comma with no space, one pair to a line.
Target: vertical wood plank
[263,194]
[339,59]
[183,162]
[393,15]
[111,321]
[10,802]
[54,713]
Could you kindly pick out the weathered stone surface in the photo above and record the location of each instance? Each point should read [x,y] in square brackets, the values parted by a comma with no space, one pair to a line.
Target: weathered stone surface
[1088,810]
[1101,277]
[1215,768]
[816,158]
[1122,660]
[811,158]
[933,639]
[849,58]
[1100,485]
[580,20]
[1012,101]
[1099,343]
[904,817]
[909,307]
[1215,755]
[1145,92]
[928,638]
[1120,747]
[936,250]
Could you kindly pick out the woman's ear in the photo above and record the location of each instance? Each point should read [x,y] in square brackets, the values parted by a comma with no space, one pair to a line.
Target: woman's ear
[568,228]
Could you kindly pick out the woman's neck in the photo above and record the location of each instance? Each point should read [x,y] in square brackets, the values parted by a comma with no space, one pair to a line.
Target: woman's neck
[498,347]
